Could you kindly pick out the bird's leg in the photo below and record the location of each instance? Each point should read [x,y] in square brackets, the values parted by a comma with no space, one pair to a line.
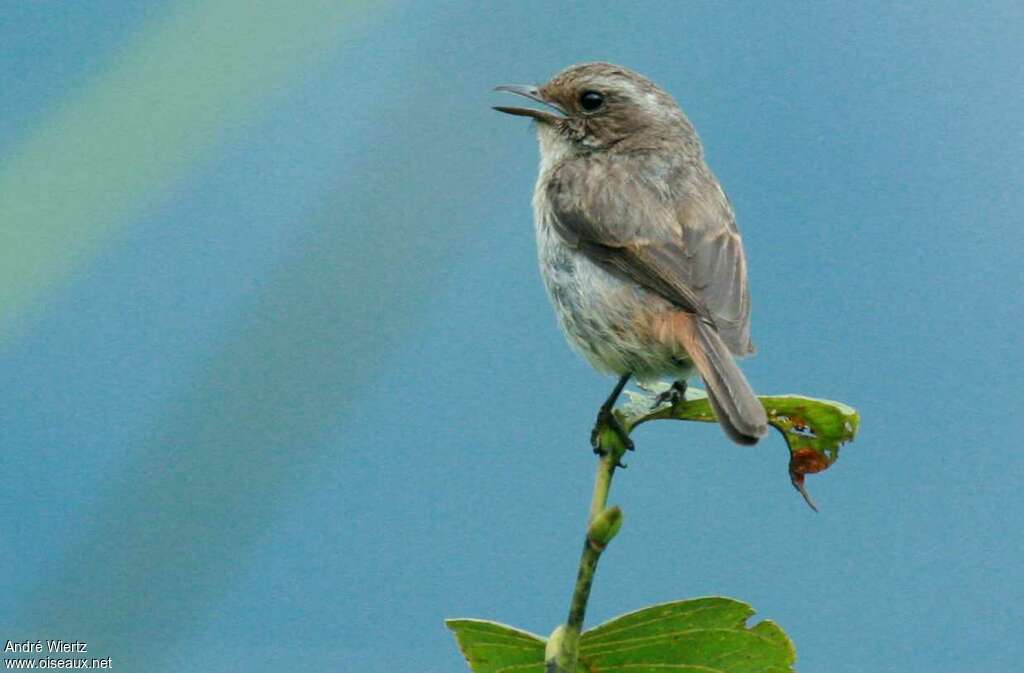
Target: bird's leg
[606,418]
[674,395]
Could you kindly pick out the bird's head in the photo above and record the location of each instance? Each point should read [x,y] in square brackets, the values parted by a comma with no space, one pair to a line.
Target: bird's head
[602,107]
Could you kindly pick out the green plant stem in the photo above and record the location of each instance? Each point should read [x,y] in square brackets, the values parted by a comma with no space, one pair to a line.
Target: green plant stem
[568,650]
[591,552]
[602,484]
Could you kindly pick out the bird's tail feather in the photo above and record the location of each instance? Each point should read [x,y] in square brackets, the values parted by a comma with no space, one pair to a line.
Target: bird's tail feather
[738,410]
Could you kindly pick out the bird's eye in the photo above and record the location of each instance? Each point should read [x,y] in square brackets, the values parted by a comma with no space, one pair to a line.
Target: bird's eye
[591,100]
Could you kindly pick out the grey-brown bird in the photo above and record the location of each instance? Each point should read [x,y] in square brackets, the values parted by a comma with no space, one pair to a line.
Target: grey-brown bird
[637,242]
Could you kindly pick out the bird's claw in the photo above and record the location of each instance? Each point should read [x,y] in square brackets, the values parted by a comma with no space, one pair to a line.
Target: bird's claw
[675,394]
[607,419]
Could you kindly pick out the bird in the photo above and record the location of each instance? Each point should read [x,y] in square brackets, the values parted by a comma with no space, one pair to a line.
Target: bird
[637,242]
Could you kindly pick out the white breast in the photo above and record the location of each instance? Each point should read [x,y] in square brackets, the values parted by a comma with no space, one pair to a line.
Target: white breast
[601,315]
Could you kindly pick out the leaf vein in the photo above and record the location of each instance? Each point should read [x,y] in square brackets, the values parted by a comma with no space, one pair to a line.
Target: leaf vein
[655,620]
[631,643]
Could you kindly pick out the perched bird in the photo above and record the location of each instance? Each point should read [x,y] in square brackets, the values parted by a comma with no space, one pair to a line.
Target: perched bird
[637,242]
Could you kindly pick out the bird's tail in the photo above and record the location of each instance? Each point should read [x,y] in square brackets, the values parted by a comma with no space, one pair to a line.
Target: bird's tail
[738,410]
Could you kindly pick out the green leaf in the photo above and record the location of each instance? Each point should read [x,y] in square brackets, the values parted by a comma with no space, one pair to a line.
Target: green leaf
[813,429]
[490,647]
[701,635]
[704,635]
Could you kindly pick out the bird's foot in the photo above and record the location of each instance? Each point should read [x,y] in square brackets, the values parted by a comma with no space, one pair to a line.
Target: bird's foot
[673,396]
[607,420]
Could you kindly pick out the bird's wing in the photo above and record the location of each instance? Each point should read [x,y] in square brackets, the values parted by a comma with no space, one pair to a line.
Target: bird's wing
[670,231]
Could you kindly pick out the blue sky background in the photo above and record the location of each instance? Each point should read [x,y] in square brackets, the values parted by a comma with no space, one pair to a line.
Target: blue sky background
[282,389]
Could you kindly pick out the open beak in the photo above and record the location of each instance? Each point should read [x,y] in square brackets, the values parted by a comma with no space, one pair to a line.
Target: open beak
[533,93]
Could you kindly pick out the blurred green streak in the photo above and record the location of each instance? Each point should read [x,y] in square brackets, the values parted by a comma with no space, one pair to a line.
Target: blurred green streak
[173,529]
[115,147]
[177,523]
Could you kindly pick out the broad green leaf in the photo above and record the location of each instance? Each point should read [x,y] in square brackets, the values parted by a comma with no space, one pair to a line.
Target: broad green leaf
[705,635]
[490,647]
[702,635]
[813,429]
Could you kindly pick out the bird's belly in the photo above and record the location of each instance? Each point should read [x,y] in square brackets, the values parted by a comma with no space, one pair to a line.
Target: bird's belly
[607,320]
